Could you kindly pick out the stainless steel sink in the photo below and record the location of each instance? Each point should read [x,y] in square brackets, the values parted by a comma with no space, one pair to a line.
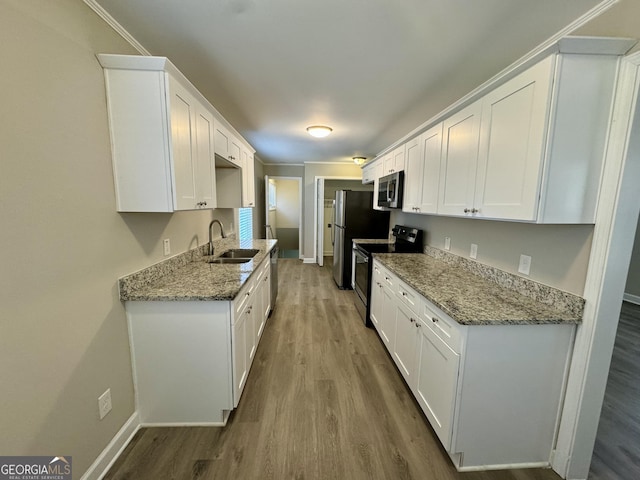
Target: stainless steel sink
[228,260]
[247,253]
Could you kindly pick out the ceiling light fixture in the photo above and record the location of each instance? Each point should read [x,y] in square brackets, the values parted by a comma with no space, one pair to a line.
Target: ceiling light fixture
[319,131]
[359,160]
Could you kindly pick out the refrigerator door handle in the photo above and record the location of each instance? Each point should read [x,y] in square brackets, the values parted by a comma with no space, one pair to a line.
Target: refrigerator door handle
[333,224]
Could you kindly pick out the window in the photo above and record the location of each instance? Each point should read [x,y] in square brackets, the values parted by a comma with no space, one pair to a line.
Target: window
[245,223]
[272,195]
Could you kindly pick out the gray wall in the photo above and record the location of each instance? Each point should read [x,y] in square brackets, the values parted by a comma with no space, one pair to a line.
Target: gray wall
[63,331]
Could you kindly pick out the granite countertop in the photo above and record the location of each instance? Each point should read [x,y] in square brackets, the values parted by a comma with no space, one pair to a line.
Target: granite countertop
[190,277]
[366,241]
[468,298]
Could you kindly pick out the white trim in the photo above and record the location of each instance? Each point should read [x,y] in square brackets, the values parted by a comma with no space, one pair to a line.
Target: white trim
[300,225]
[113,450]
[505,466]
[337,162]
[631,298]
[184,424]
[309,260]
[545,48]
[613,238]
[106,16]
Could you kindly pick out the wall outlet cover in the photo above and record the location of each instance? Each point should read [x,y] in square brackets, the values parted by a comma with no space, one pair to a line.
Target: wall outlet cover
[447,243]
[473,253]
[104,403]
[525,264]
[167,246]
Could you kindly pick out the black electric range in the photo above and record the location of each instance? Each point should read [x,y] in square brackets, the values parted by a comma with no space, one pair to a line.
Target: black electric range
[407,240]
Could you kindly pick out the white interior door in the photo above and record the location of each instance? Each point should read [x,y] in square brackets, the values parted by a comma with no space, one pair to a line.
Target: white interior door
[320,222]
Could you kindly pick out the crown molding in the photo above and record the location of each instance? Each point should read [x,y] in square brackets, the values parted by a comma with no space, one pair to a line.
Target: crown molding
[102,13]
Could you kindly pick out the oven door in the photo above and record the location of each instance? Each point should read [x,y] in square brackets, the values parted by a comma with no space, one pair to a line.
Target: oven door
[361,274]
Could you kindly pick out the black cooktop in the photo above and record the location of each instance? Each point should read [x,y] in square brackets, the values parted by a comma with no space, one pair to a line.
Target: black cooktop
[408,240]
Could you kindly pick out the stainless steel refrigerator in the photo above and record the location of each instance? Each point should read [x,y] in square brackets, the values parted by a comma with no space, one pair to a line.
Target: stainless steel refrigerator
[353,217]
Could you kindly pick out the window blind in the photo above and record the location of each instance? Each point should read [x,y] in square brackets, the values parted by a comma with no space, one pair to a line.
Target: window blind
[245,223]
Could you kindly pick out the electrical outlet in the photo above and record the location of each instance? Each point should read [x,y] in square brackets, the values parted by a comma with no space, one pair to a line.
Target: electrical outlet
[474,251]
[525,264]
[447,243]
[104,403]
[167,246]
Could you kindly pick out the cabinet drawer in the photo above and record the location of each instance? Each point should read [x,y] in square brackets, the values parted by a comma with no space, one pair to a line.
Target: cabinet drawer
[241,299]
[408,296]
[447,329]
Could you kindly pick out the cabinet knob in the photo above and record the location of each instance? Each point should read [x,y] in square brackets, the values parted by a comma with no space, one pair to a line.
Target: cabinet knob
[418,325]
[411,320]
[434,319]
[466,210]
[474,210]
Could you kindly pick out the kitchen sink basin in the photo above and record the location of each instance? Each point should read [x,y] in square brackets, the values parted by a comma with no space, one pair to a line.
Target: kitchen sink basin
[229,260]
[238,253]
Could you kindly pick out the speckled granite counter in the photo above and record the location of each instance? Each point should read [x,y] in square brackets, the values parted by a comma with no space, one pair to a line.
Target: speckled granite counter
[472,300]
[368,241]
[189,277]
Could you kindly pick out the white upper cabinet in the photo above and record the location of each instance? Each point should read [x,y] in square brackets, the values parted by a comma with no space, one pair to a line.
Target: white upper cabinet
[164,136]
[422,172]
[369,172]
[532,149]
[461,133]
[512,141]
[248,180]
[394,161]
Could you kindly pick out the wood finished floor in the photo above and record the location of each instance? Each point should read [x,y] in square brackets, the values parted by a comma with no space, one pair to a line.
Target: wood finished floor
[617,450]
[323,401]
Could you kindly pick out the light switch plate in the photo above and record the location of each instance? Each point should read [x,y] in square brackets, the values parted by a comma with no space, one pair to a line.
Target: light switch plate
[104,403]
[474,251]
[525,264]
[447,243]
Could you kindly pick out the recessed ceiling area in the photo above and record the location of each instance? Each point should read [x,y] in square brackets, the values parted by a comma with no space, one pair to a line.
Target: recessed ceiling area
[372,69]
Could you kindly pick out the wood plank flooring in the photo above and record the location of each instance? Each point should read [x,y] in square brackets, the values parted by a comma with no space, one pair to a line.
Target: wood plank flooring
[616,455]
[323,401]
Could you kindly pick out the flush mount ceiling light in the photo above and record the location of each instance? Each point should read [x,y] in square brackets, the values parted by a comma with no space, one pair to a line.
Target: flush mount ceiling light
[319,131]
[359,160]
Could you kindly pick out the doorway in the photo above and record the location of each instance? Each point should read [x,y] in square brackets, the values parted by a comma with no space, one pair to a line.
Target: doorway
[325,191]
[283,205]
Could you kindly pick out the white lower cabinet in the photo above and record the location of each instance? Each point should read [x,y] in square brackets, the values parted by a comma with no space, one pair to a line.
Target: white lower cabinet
[492,393]
[191,360]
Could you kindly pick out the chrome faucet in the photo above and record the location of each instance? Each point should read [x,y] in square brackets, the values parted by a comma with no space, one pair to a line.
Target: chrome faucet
[221,233]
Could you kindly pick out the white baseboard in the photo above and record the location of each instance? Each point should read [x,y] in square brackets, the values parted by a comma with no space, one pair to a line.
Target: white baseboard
[112,451]
[631,298]
[309,260]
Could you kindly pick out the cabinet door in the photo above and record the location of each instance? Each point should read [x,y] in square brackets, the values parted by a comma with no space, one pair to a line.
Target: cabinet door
[431,150]
[461,133]
[379,172]
[252,328]
[404,352]
[512,145]
[266,301]
[376,298]
[240,365]
[436,382]
[204,159]
[388,318]
[412,175]
[222,141]
[368,173]
[182,114]
[235,150]
[248,180]
[398,159]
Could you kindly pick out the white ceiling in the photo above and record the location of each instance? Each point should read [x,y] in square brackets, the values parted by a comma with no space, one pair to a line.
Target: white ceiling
[371,69]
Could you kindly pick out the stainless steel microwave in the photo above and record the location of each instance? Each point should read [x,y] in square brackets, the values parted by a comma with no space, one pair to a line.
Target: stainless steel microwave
[390,189]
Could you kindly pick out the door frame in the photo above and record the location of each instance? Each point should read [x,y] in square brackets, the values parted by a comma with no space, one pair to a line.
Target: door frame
[266,206]
[611,248]
[318,212]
